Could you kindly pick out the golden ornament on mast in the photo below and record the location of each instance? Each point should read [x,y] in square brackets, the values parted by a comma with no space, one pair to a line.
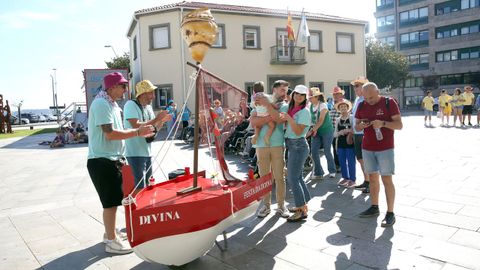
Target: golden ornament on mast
[199,30]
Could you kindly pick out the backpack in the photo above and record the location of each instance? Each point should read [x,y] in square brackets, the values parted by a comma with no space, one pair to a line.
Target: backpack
[387,104]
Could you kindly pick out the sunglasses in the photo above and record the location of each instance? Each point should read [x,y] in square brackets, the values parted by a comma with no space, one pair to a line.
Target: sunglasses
[124,86]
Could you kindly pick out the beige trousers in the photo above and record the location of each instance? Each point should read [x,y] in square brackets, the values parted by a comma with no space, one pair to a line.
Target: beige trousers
[271,159]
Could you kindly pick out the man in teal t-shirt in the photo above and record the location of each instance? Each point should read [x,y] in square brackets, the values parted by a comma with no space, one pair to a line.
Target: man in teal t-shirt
[271,158]
[137,113]
[105,154]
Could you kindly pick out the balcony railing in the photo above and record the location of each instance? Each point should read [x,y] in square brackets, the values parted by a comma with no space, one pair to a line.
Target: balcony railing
[287,55]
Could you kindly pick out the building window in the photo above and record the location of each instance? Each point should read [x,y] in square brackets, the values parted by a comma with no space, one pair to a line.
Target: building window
[317,84]
[345,43]
[381,3]
[159,36]
[390,41]
[455,5]
[457,29]
[414,82]
[220,39]
[315,41]
[458,54]
[251,37]
[414,39]
[414,16]
[385,23]
[135,48]
[163,94]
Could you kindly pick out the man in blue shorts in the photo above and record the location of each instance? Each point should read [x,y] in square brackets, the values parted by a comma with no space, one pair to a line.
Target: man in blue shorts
[378,117]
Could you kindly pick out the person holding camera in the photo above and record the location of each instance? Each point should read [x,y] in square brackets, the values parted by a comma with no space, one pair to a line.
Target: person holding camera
[139,112]
[106,154]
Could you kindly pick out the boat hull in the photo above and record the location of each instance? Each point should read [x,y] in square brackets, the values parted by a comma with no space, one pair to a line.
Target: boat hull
[184,248]
[167,227]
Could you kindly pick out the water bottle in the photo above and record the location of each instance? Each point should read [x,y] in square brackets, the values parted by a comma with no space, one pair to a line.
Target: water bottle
[378,134]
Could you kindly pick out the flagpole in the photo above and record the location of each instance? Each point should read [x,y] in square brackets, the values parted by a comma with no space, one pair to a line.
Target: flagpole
[298,30]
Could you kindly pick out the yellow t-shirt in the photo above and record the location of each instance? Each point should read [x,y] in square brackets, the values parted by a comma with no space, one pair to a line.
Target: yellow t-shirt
[469,97]
[444,99]
[428,103]
[456,100]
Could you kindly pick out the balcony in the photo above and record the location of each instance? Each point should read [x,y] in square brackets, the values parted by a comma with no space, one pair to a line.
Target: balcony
[406,2]
[385,7]
[418,21]
[287,55]
[421,43]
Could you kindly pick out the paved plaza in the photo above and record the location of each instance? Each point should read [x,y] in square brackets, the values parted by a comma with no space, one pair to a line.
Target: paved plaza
[51,218]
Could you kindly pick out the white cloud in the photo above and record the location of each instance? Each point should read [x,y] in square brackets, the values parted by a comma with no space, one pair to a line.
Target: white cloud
[25,19]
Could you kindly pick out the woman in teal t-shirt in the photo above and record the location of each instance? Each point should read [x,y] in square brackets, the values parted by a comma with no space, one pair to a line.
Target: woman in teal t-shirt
[298,121]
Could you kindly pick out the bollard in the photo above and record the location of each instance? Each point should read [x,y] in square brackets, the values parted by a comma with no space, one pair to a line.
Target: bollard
[31,127]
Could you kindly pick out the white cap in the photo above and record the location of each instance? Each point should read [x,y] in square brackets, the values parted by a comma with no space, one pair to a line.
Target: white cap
[301,89]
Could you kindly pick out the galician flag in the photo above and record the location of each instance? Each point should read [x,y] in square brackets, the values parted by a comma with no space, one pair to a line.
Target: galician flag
[290,31]
[304,32]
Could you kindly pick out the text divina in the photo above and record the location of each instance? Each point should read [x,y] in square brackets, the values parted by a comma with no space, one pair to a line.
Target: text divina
[159,217]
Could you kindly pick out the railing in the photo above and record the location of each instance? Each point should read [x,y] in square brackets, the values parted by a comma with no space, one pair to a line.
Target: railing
[69,113]
[287,55]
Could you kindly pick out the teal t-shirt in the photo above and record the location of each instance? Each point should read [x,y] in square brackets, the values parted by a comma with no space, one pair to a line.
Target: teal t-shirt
[278,138]
[302,117]
[137,146]
[101,112]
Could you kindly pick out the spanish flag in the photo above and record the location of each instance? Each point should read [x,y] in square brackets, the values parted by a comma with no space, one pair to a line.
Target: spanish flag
[290,31]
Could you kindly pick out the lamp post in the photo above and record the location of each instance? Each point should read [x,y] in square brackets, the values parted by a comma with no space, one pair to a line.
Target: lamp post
[54,92]
[114,52]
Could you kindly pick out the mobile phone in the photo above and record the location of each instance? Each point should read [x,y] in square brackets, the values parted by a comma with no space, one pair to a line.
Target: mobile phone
[365,121]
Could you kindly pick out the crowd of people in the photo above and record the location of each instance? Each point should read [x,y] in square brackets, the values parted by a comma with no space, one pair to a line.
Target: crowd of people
[362,131]
[72,133]
[459,105]
[348,132]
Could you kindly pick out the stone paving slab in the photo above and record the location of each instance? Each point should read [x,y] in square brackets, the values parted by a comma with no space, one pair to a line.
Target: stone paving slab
[50,214]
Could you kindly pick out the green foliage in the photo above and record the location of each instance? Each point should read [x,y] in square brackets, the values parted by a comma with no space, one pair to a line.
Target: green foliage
[120,62]
[386,67]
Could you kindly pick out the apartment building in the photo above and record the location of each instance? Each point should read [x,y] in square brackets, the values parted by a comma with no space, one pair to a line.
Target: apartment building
[251,45]
[440,38]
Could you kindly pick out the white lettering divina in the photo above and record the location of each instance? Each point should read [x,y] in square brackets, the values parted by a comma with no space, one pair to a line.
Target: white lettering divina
[257,189]
[159,217]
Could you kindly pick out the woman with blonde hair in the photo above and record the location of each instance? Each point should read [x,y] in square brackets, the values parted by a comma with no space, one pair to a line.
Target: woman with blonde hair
[457,103]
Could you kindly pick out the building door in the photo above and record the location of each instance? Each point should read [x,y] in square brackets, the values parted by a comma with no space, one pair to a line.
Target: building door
[347,87]
[162,95]
[283,50]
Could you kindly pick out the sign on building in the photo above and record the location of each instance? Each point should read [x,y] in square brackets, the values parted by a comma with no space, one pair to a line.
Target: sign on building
[94,84]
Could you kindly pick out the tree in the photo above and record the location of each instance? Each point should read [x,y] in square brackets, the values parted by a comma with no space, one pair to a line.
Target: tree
[386,67]
[120,62]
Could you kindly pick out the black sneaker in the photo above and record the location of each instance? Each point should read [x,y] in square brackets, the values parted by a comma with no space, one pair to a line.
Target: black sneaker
[362,186]
[366,190]
[370,212]
[470,124]
[389,220]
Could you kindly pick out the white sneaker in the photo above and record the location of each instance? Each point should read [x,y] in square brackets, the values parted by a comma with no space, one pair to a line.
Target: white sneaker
[316,177]
[264,211]
[283,212]
[116,246]
[332,175]
[120,234]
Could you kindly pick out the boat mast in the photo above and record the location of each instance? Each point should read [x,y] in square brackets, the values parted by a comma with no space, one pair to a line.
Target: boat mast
[196,139]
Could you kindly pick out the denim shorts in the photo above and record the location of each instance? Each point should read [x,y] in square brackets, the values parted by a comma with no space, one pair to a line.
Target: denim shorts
[379,161]
[428,113]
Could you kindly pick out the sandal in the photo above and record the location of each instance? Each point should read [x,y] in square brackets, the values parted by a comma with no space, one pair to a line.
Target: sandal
[299,215]
[292,209]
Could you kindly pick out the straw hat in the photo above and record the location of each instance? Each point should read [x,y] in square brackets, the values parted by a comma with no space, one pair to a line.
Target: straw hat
[344,101]
[143,87]
[315,91]
[359,79]
[468,88]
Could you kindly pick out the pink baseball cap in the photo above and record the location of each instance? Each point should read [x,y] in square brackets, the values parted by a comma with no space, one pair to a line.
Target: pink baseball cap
[112,79]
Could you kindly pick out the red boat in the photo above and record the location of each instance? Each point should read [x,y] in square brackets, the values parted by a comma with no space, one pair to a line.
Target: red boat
[175,222]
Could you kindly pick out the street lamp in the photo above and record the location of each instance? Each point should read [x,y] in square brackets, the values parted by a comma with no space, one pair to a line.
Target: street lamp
[114,52]
[54,92]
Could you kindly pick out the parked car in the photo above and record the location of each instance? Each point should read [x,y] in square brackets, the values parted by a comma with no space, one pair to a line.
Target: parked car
[50,117]
[42,118]
[14,120]
[34,118]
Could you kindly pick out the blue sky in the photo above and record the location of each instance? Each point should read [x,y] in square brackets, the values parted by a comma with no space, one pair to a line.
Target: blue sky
[70,35]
